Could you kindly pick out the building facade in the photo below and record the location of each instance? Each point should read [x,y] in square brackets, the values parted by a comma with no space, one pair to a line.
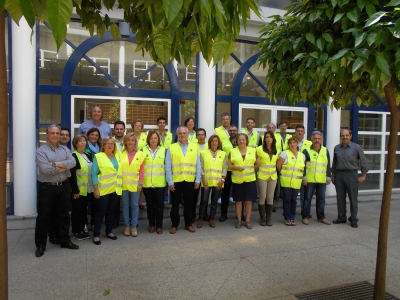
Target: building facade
[46,86]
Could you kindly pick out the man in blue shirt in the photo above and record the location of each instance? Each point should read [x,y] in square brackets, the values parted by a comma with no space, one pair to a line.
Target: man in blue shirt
[96,113]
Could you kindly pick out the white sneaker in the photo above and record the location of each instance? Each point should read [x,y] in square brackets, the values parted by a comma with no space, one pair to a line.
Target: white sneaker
[219,200]
[231,200]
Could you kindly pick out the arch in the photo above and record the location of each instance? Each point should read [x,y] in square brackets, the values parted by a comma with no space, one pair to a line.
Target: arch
[86,46]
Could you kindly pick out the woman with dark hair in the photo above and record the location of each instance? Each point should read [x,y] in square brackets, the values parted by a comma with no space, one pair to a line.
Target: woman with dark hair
[94,141]
[267,177]
[81,186]
[243,161]
[213,173]
[291,165]
[154,181]
[106,188]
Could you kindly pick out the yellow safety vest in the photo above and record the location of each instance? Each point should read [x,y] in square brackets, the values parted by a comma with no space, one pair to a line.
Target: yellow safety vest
[267,168]
[108,177]
[192,139]
[167,142]
[292,172]
[227,146]
[253,141]
[280,144]
[129,173]
[82,175]
[142,142]
[316,167]
[220,131]
[154,169]
[184,167]
[306,145]
[212,169]
[248,174]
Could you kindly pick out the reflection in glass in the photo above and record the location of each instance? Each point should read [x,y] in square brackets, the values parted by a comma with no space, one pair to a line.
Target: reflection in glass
[369,122]
[50,109]
[275,3]
[292,118]
[221,108]
[319,119]
[187,109]
[371,182]
[374,161]
[187,77]
[397,162]
[262,117]
[111,109]
[387,143]
[249,86]
[146,111]
[388,118]
[396,181]
[370,142]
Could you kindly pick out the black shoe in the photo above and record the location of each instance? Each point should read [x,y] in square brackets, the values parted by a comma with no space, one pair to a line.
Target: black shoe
[70,245]
[40,251]
[354,224]
[86,236]
[338,221]
[273,209]
[55,240]
[97,242]
[78,237]
[223,218]
[114,237]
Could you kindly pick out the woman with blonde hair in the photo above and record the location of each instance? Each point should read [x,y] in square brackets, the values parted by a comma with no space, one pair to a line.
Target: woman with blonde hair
[131,172]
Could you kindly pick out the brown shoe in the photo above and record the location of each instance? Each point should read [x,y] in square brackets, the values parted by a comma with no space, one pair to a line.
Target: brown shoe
[127,231]
[199,223]
[306,221]
[134,232]
[151,229]
[173,230]
[325,221]
[190,228]
[159,231]
[212,223]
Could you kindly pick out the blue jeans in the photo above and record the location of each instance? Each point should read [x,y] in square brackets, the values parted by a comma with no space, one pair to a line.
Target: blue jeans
[130,208]
[205,194]
[289,202]
[104,207]
[320,189]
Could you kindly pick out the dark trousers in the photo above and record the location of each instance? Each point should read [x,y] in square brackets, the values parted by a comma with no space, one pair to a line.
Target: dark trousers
[92,204]
[79,213]
[302,196]
[194,203]
[155,206]
[205,194]
[289,202]
[347,182]
[226,190]
[117,212]
[53,199]
[104,207]
[53,228]
[320,189]
[185,188]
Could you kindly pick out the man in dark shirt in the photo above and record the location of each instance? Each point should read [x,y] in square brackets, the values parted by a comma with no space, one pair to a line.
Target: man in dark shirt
[346,159]
[54,162]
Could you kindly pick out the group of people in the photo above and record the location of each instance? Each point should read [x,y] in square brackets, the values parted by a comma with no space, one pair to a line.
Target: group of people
[104,170]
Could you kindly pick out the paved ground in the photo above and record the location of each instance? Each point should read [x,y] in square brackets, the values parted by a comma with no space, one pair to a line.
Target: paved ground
[221,263]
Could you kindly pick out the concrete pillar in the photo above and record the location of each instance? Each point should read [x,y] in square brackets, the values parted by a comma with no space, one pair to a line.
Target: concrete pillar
[207,100]
[332,138]
[24,118]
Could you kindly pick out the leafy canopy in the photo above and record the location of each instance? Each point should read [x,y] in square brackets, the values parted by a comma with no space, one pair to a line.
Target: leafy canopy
[332,48]
[167,29]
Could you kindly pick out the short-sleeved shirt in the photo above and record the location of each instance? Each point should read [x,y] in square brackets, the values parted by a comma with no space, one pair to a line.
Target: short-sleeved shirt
[103,127]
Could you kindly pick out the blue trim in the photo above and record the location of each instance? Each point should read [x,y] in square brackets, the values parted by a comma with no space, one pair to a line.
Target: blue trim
[223,98]
[237,80]
[354,120]
[10,115]
[49,89]
[124,92]
[188,95]
[37,117]
[135,79]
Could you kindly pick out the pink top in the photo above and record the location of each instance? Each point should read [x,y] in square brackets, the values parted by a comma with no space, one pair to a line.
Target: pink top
[131,156]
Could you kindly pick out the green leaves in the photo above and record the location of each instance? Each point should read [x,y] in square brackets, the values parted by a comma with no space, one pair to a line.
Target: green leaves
[310,37]
[374,18]
[59,13]
[172,8]
[14,9]
[162,45]
[221,43]
[382,63]
[28,11]
[393,3]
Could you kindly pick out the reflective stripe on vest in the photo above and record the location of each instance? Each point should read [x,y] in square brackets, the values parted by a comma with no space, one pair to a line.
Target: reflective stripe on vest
[82,176]
[129,172]
[292,172]
[183,167]
[108,174]
[267,168]
[152,170]
[248,174]
[212,169]
[316,167]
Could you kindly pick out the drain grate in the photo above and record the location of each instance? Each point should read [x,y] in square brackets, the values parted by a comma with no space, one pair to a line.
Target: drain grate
[359,291]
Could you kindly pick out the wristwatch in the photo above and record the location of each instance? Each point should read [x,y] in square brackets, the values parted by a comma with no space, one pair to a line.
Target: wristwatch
[223,179]
[53,164]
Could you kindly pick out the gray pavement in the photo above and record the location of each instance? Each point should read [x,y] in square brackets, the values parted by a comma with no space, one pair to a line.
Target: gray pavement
[275,262]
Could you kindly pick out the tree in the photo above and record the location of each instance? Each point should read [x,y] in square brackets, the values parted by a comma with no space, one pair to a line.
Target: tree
[167,29]
[333,49]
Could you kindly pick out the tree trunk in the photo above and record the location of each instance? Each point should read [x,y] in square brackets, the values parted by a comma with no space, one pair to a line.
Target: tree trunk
[3,162]
[381,259]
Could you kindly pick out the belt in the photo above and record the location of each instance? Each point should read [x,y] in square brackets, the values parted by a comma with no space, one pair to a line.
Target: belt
[55,183]
[345,170]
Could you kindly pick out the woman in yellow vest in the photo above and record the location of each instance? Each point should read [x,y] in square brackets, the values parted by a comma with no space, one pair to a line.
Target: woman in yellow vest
[154,181]
[141,138]
[213,173]
[106,188]
[291,165]
[131,172]
[243,161]
[267,177]
[81,186]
